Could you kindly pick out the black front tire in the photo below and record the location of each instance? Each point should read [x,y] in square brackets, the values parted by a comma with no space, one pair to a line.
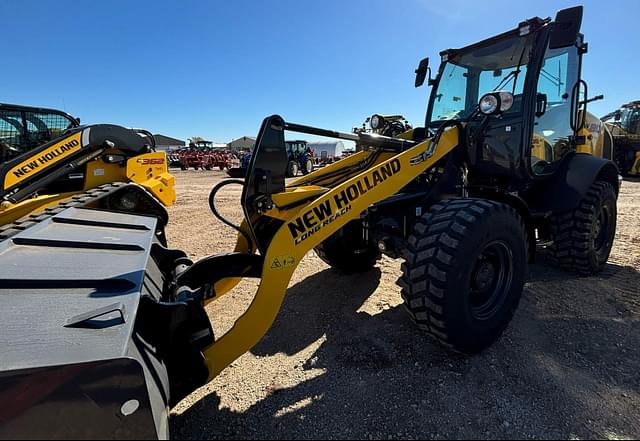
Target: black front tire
[347,252]
[292,169]
[308,167]
[583,237]
[464,272]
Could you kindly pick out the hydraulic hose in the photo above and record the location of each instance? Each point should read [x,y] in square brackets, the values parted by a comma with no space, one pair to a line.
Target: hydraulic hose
[212,206]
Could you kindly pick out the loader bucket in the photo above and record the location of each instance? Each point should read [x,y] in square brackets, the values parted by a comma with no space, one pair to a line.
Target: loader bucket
[83,350]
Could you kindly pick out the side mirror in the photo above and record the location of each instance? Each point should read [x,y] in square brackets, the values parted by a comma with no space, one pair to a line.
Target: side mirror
[421,72]
[566,28]
[617,116]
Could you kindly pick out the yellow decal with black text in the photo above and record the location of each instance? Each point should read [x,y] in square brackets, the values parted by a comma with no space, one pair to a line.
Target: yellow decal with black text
[313,220]
[43,160]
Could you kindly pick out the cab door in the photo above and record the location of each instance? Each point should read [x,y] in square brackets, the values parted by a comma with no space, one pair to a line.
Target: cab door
[553,133]
[558,94]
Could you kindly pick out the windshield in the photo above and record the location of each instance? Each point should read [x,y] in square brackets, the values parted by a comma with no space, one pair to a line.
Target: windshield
[296,147]
[467,76]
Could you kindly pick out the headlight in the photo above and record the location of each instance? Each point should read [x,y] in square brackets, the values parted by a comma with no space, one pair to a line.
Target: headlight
[506,101]
[495,102]
[376,122]
[489,104]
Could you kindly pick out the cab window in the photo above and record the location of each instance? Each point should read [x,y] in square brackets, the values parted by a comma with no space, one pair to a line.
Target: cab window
[45,127]
[11,134]
[552,130]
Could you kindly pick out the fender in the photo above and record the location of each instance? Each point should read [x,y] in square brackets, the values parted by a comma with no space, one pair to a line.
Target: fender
[569,184]
[518,204]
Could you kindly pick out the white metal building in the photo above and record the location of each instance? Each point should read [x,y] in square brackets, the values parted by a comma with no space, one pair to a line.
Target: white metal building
[326,148]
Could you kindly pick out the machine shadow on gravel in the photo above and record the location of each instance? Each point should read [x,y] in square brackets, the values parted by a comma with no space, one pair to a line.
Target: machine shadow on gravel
[385,378]
[322,304]
[544,271]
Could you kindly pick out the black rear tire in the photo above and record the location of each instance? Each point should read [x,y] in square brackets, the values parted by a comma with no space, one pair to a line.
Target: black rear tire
[582,238]
[464,272]
[347,252]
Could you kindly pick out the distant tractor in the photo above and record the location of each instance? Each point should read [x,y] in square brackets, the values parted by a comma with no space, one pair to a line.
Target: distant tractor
[300,158]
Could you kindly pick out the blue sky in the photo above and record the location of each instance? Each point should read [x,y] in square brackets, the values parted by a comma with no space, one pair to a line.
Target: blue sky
[216,69]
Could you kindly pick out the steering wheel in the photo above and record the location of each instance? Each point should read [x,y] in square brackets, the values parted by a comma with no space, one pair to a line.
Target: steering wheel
[539,166]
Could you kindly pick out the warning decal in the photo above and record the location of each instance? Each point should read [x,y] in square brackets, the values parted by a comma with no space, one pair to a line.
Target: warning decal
[281,262]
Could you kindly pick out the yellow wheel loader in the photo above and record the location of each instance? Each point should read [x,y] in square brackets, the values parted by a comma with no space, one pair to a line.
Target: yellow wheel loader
[625,129]
[104,327]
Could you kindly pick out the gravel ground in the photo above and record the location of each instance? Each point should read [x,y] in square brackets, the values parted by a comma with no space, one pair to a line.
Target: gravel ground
[343,360]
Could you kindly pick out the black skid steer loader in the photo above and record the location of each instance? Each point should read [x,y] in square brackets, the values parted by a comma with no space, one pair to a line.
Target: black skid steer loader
[103,327]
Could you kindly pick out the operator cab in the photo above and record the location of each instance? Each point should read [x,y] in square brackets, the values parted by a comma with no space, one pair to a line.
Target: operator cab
[537,68]
[296,148]
[630,118]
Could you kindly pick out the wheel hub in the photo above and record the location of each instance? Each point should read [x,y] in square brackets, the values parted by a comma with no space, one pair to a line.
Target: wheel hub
[484,275]
[491,279]
[599,234]
[597,227]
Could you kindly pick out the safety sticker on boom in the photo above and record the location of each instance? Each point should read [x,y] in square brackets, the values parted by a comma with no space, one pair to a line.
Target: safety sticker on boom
[282,262]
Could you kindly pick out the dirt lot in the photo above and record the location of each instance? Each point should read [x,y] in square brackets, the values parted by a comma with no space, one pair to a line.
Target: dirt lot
[344,361]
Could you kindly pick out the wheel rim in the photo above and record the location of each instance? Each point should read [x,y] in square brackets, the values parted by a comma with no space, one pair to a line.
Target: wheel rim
[491,279]
[600,231]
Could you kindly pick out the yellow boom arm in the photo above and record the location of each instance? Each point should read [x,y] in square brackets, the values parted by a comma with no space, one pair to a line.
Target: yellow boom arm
[309,224]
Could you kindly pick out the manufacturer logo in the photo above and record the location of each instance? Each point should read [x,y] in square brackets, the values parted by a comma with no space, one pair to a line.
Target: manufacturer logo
[326,212]
[43,160]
